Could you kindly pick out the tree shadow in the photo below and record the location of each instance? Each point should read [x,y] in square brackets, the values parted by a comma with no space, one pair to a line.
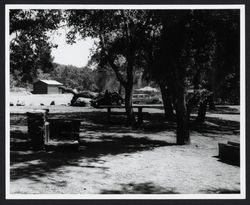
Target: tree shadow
[19,141]
[112,139]
[153,123]
[140,188]
[220,110]
[158,127]
[225,110]
[97,117]
[228,161]
[221,191]
[216,126]
[100,117]
[113,145]
[147,127]
[34,165]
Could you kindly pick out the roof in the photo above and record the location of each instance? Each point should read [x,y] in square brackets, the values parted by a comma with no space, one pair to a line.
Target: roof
[50,82]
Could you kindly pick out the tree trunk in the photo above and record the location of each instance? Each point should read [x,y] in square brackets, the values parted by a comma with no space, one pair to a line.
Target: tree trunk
[192,103]
[167,103]
[129,84]
[128,104]
[202,112]
[182,119]
[213,87]
[211,102]
[120,89]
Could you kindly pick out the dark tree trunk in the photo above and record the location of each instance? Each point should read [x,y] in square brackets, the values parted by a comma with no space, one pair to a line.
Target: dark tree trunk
[129,84]
[211,102]
[128,104]
[202,112]
[192,103]
[120,89]
[182,119]
[167,103]
[213,86]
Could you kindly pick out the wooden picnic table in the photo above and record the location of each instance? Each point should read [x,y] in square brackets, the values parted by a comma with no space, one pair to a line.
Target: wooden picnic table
[56,128]
[139,107]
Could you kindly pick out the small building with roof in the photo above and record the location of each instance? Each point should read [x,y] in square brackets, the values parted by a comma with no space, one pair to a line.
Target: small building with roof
[47,87]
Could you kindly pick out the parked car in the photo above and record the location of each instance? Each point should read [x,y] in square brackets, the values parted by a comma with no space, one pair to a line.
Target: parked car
[145,99]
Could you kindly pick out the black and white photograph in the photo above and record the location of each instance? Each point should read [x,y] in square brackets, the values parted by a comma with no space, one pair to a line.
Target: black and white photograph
[125,101]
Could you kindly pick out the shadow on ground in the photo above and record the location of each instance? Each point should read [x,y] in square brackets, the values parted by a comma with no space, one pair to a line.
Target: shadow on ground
[114,139]
[221,191]
[153,122]
[140,188]
[229,162]
[34,165]
[225,110]
[19,141]
[216,126]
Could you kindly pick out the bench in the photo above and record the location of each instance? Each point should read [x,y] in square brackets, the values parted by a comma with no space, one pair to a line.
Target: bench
[139,107]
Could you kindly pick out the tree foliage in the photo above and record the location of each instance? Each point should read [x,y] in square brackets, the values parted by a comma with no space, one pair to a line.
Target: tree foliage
[74,77]
[191,54]
[28,59]
[30,49]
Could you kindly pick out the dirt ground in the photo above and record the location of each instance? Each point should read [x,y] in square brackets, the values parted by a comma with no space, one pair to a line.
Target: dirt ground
[116,159]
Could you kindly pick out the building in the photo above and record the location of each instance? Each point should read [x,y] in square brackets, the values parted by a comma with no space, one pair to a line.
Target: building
[47,87]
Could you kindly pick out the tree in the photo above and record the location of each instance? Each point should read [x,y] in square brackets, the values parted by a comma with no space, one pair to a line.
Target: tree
[122,35]
[28,60]
[104,76]
[22,59]
[217,53]
[227,61]
[169,58]
[73,77]
[105,79]
[185,57]
[30,49]
[119,33]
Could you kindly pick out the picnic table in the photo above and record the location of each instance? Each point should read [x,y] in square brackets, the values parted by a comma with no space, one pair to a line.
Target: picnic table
[139,107]
[42,129]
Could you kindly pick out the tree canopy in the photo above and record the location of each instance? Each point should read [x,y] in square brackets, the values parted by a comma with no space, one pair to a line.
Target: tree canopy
[30,48]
